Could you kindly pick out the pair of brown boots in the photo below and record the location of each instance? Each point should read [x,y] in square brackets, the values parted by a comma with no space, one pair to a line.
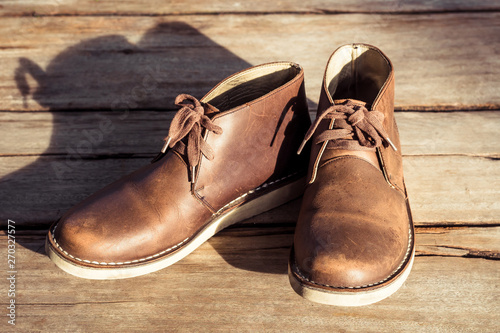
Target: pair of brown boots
[246,147]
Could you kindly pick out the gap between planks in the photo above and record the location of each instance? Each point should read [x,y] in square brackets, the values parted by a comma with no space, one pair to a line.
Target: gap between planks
[467,242]
[324,12]
[258,7]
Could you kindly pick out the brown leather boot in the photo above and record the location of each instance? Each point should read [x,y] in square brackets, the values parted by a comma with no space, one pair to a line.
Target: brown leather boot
[354,241]
[227,157]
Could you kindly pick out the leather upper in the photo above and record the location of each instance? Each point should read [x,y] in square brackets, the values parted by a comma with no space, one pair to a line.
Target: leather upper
[353,227]
[136,217]
[260,140]
[158,208]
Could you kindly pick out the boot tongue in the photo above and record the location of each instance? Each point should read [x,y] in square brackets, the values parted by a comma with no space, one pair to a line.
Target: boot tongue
[328,154]
[210,110]
[347,100]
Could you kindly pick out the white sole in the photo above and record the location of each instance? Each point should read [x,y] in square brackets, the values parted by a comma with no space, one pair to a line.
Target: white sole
[251,208]
[349,298]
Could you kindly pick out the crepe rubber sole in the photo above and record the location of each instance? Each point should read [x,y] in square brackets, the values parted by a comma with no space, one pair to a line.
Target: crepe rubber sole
[265,202]
[349,297]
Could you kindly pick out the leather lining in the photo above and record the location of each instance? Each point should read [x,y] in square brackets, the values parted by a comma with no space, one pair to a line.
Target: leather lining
[250,85]
[356,72]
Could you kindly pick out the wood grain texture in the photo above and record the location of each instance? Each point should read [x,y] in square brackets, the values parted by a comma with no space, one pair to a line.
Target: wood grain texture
[447,190]
[461,242]
[442,133]
[453,189]
[442,62]
[238,282]
[141,132]
[135,7]
[85,64]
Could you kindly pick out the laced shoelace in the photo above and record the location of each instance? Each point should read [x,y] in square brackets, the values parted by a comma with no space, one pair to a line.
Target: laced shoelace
[189,122]
[355,128]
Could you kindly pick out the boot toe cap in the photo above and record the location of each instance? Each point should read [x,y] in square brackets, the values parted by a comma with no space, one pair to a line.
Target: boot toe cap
[108,228]
[350,261]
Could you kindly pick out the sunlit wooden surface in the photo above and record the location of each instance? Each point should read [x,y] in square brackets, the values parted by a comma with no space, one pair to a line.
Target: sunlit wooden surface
[67,66]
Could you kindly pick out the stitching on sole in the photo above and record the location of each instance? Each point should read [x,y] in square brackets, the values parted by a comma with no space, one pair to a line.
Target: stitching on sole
[114,263]
[219,212]
[302,276]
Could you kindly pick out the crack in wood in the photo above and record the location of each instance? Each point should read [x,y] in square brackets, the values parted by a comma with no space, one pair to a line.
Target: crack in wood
[316,11]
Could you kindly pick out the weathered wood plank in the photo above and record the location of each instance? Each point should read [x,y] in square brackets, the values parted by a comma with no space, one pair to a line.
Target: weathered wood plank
[48,133]
[460,242]
[90,7]
[36,190]
[442,189]
[60,63]
[239,283]
[453,189]
[141,132]
[460,133]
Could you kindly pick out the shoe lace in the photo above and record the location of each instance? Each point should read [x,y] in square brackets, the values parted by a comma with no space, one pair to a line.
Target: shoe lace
[189,121]
[355,128]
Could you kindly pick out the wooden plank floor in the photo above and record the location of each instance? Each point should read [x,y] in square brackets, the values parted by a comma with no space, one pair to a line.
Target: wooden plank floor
[76,65]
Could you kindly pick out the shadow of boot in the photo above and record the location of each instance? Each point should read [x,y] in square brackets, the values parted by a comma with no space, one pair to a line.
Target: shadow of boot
[114,79]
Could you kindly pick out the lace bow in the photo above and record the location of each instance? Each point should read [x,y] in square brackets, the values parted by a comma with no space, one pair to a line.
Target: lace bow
[355,128]
[189,122]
